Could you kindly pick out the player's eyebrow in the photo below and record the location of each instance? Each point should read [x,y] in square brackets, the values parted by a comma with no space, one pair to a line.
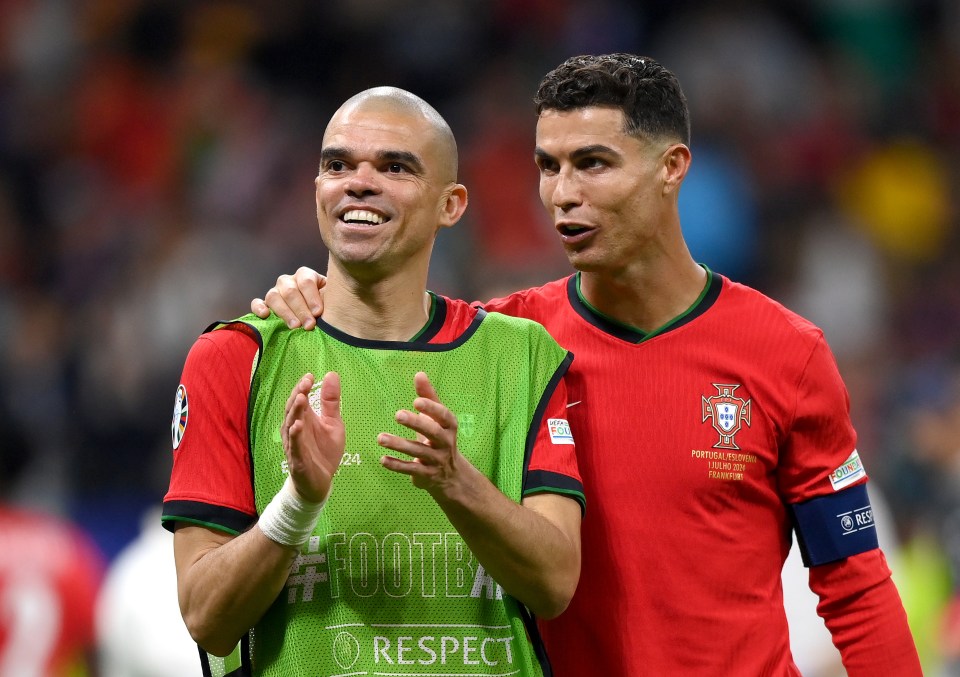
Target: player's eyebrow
[593,149]
[406,157]
[583,151]
[540,154]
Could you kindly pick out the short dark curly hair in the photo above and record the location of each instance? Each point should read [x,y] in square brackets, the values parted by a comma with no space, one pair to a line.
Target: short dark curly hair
[649,95]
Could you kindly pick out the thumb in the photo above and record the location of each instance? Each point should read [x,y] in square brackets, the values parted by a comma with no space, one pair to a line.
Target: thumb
[330,396]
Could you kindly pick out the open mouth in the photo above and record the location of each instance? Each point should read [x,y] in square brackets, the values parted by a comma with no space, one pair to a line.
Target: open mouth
[363,217]
[572,231]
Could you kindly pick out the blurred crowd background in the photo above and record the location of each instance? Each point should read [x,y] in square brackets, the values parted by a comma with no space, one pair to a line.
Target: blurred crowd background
[156,173]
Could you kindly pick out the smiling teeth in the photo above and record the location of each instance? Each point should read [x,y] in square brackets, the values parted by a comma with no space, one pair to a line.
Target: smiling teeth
[363,216]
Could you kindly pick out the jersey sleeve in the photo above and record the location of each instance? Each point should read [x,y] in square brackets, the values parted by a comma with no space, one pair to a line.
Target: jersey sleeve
[552,466]
[211,480]
[514,305]
[821,475]
[862,609]
[820,437]
[824,481]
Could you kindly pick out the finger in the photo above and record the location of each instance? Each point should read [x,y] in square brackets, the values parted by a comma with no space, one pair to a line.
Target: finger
[428,429]
[278,305]
[293,424]
[436,411]
[412,468]
[309,283]
[300,387]
[330,396]
[295,429]
[300,434]
[429,403]
[291,411]
[300,408]
[402,445]
[297,407]
[423,386]
[259,308]
[285,300]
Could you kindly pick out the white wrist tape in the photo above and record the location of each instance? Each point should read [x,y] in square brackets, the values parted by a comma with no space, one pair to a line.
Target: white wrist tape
[288,519]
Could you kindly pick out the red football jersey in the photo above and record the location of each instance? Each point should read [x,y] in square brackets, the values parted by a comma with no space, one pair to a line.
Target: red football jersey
[692,443]
[50,574]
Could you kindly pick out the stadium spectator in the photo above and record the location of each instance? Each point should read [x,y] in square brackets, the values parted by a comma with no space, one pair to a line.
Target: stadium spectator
[50,575]
[140,632]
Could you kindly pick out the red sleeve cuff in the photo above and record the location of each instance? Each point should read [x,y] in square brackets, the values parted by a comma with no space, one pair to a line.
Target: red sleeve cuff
[862,609]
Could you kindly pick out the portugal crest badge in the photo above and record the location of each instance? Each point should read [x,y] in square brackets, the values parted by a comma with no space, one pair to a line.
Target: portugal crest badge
[727,413]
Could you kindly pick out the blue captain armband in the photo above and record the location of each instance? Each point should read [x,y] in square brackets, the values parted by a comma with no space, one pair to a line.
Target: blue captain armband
[832,528]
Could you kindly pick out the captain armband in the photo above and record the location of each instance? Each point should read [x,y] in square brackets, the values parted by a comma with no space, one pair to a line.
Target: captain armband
[288,519]
[834,527]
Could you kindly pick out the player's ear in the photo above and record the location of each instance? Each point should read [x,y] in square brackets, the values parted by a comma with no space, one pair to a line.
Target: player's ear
[676,163]
[454,204]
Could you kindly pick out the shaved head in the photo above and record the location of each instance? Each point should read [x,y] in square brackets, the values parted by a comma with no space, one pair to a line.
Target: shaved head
[401,102]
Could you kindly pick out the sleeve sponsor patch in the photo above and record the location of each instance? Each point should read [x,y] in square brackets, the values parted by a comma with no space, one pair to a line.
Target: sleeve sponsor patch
[560,432]
[851,471]
[836,526]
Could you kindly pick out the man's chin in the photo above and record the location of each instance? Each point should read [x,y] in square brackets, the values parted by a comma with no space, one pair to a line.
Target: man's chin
[583,261]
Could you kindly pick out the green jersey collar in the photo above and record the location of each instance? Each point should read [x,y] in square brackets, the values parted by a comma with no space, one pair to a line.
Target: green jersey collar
[704,301]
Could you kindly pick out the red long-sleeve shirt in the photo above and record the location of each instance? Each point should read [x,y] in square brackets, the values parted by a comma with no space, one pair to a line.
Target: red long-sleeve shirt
[695,444]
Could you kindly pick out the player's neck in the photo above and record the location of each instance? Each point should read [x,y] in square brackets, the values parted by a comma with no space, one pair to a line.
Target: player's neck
[393,308]
[645,296]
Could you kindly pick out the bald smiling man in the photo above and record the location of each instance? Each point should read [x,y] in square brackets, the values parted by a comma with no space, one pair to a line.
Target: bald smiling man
[321,526]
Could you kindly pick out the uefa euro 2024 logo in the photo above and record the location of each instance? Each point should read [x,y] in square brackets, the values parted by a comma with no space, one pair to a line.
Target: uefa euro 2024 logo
[727,413]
